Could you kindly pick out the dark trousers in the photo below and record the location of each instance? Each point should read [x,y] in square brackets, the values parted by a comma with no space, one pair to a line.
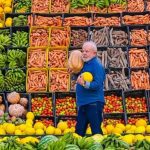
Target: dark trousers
[90,113]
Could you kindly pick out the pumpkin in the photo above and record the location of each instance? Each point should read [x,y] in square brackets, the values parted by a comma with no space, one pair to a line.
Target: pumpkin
[1,100]
[2,107]
[13,97]
[16,110]
[24,101]
[75,62]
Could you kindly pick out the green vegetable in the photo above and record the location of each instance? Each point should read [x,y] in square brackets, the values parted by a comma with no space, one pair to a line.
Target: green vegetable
[20,39]
[15,80]
[3,60]
[21,20]
[16,58]
[2,82]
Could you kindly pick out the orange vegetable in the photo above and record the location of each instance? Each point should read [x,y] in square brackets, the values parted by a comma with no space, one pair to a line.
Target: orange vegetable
[138,37]
[138,57]
[136,19]
[36,80]
[40,6]
[116,8]
[77,21]
[47,21]
[39,37]
[60,37]
[135,5]
[140,80]
[59,80]
[37,58]
[57,58]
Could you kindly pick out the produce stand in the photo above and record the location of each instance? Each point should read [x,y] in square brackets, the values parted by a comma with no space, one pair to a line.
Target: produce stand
[36,38]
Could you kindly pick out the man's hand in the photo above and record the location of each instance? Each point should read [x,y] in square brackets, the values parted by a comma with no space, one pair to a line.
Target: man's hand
[80,80]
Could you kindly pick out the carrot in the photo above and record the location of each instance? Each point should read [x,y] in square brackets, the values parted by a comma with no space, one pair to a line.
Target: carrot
[136,19]
[135,5]
[59,80]
[77,21]
[37,58]
[116,8]
[138,57]
[38,6]
[95,9]
[39,37]
[79,10]
[138,37]
[57,58]
[30,20]
[47,21]
[37,80]
[140,80]
[148,5]
[110,21]
[60,37]
[60,6]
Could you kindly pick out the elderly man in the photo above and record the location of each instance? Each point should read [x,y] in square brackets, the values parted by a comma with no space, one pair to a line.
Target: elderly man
[90,95]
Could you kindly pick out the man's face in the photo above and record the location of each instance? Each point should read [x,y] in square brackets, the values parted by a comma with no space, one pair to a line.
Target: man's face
[87,53]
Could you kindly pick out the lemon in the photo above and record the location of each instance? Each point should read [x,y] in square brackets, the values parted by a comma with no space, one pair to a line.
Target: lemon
[128,126]
[148,129]
[104,131]
[7,3]
[72,129]
[50,130]
[10,128]
[88,130]
[22,127]
[29,121]
[109,128]
[30,115]
[139,137]
[141,122]
[67,131]
[2,131]
[75,135]
[117,130]
[62,125]
[128,139]
[39,132]
[57,131]
[18,132]
[140,129]
[87,76]
[7,10]
[120,126]
[1,10]
[38,125]
[8,22]
[30,131]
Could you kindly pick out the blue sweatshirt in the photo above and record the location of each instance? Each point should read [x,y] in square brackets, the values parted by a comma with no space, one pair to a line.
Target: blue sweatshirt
[93,91]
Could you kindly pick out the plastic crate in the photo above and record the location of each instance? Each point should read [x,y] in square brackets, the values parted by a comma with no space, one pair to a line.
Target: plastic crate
[114,102]
[4,102]
[38,16]
[41,96]
[33,88]
[65,101]
[134,98]
[40,50]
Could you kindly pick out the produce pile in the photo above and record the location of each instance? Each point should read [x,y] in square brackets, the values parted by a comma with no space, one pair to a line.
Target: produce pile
[37,94]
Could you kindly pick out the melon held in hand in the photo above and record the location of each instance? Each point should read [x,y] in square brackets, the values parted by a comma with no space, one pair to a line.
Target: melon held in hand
[87,76]
[75,62]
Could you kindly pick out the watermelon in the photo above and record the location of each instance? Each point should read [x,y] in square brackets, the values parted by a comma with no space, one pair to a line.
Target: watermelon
[72,147]
[96,146]
[45,140]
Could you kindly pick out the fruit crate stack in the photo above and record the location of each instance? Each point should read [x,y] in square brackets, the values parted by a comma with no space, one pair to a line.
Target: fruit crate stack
[32,54]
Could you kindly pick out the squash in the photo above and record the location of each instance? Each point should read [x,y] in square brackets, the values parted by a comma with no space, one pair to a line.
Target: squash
[2,107]
[13,97]
[24,101]
[75,62]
